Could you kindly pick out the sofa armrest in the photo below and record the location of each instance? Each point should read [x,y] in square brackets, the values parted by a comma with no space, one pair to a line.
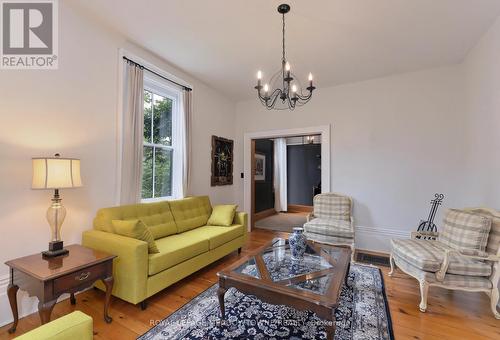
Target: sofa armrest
[76,325]
[241,217]
[130,267]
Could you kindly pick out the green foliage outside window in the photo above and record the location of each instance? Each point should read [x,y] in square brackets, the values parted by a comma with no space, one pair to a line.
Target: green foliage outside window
[157,156]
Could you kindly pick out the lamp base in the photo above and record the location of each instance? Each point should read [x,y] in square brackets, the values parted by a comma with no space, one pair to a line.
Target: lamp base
[56,248]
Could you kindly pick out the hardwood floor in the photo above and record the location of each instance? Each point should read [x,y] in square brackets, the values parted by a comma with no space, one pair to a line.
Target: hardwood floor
[450,315]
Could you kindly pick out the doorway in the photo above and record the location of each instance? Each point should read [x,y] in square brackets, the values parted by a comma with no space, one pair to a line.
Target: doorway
[257,166]
[287,177]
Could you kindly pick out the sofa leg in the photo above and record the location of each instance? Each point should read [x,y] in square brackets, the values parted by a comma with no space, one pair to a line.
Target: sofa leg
[424,289]
[393,265]
[353,253]
[239,250]
[144,305]
[494,296]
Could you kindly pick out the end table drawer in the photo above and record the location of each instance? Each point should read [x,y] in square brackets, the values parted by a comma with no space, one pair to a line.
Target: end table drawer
[87,275]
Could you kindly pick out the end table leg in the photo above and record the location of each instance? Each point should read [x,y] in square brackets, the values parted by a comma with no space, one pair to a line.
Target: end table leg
[108,282]
[12,293]
[72,299]
[221,292]
[45,309]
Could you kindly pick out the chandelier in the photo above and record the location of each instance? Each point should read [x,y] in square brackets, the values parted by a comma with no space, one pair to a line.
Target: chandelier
[283,91]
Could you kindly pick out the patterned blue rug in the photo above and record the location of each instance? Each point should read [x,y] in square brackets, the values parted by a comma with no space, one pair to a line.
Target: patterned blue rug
[363,313]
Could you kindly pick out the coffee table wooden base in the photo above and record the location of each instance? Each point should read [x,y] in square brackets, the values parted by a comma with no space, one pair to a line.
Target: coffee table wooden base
[266,283]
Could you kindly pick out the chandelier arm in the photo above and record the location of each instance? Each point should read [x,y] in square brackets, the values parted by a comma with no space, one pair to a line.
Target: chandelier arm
[301,97]
[275,96]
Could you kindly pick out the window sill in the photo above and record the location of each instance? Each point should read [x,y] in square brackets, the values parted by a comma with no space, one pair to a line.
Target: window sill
[158,199]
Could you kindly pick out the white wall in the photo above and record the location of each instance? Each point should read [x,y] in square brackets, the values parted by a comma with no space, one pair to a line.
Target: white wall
[395,142]
[482,72]
[73,110]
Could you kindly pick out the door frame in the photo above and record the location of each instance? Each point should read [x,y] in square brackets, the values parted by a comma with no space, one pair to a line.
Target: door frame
[249,137]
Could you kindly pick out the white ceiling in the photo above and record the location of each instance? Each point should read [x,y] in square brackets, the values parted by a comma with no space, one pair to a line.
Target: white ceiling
[225,42]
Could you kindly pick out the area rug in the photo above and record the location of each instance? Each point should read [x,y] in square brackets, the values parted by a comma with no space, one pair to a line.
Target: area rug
[363,313]
[282,222]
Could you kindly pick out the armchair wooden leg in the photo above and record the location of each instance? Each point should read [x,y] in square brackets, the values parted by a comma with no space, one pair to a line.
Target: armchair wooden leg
[494,296]
[393,265]
[424,289]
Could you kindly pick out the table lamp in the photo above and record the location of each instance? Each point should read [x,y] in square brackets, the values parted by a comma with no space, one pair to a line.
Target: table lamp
[56,173]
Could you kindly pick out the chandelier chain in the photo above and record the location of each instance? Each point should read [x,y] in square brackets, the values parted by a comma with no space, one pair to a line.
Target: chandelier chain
[283,31]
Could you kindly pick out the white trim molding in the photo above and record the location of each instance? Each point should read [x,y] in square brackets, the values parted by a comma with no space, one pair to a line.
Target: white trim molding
[323,130]
[377,239]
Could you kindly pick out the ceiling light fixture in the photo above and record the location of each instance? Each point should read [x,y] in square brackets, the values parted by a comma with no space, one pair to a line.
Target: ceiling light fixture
[284,91]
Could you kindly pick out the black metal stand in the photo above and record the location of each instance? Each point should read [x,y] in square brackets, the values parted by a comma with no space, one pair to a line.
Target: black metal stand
[428,229]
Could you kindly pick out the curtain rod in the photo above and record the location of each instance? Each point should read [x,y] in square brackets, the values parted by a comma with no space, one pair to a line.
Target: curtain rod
[157,74]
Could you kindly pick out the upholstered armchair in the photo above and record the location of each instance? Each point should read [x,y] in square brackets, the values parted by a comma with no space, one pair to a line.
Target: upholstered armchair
[465,256]
[331,221]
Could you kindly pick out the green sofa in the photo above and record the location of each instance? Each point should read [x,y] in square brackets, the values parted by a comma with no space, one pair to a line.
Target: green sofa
[185,242]
[74,326]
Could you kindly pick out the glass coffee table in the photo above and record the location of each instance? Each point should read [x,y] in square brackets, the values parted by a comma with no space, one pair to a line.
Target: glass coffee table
[312,283]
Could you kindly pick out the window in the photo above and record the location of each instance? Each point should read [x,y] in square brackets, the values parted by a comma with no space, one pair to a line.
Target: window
[160,142]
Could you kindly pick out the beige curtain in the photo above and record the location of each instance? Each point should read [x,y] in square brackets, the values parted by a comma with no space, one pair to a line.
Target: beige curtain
[186,114]
[280,175]
[132,135]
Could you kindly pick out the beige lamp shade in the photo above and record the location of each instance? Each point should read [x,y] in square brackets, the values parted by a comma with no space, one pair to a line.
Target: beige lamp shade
[56,173]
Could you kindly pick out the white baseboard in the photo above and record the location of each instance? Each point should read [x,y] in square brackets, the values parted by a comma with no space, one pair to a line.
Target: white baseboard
[377,239]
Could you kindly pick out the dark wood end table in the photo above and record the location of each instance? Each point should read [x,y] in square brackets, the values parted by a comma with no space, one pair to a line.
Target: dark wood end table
[313,283]
[49,278]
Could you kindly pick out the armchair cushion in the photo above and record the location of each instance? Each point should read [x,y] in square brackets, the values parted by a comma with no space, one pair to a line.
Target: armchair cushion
[332,206]
[450,280]
[494,238]
[465,230]
[429,255]
[330,227]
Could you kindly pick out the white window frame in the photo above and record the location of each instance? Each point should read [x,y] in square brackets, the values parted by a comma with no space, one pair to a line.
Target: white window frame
[161,87]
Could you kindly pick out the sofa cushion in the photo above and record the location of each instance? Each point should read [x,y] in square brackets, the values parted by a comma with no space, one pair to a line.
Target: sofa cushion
[429,255]
[191,212]
[217,235]
[136,229]
[334,206]
[330,227]
[465,230]
[222,215]
[157,216]
[175,249]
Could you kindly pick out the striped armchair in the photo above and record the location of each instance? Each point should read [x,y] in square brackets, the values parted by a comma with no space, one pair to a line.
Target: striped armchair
[466,255]
[331,221]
